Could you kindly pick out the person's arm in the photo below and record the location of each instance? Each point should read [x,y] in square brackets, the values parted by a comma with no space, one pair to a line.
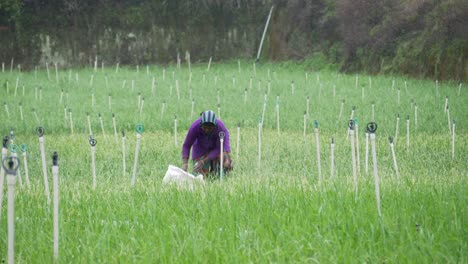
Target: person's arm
[188,142]
[226,146]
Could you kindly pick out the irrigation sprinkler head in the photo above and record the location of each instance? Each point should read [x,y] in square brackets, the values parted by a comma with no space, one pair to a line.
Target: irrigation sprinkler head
[99,115]
[92,141]
[14,148]
[23,148]
[6,139]
[351,124]
[407,118]
[238,124]
[139,128]
[20,104]
[259,120]
[12,133]
[398,115]
[40,131]
[123,133]
[390,139]
[316,123]
[372,127]
[356,121]
[333,140]
[343,101]
[10,165]
[55,159]
[87,113]
[221,135]
[113,115]
[354,108]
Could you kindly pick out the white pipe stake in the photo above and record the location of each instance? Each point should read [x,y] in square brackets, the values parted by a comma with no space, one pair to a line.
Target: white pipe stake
[124,167]
[55,171]
[238,141]
[376,176]
[353,160]
[115,127]
[332,159]
[259,142]
[367,152]
[453,139]
[44,169]
[2,176]
[137,149]
[392,148]
[11,213]
[93,165]
[319,167]
[26,170]
[221,153]
[175,130]
[407,134]
[102,125]
[89,123]
[71,120]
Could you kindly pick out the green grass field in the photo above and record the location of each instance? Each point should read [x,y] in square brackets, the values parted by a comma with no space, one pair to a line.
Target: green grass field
[275,210]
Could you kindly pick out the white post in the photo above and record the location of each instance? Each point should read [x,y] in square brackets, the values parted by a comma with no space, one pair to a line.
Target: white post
[89,123]
[10,167]
[407,133]
[453,139]
[358,158]
[102,125]
[446,104]
[2,171]
[209,64]
[353,158]
[25,164]
[397,128]
[175,130]
[307,105]
[372,128]
[264,33]
[392,148]
[123,154]
[305,123]
[55,171]
[259,142]
[367,151]
[40,131]
[332,159]
[21,111]
[317,142]
[137,149]
[238,141]
[448,120]
[93,143]
[221,153]
[277,115]
[6,110]
[71,120]
[110,101]
[115,127]
[415,116]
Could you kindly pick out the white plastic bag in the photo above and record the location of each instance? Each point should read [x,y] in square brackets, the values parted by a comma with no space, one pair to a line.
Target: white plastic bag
[181,178]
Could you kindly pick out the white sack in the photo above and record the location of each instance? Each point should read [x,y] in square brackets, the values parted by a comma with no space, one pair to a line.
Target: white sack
[181,178]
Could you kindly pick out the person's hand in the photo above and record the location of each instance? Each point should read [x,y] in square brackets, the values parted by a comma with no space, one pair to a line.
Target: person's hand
[184,164]
[198,167]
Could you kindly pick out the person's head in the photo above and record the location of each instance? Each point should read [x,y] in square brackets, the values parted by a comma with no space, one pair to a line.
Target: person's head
[208,121]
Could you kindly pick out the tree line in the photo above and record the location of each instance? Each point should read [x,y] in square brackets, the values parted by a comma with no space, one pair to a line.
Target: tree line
[421,38]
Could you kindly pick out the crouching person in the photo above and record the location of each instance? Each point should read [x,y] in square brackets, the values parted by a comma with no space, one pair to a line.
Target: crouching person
[204,142]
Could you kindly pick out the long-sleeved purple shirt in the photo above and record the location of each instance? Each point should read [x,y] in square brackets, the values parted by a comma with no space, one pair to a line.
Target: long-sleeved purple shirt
[202,143]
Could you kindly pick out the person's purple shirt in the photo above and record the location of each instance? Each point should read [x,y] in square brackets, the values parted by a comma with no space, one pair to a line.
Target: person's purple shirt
[202,143]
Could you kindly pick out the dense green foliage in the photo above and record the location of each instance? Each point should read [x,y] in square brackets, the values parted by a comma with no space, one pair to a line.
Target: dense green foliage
[272,211]
[413,37]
